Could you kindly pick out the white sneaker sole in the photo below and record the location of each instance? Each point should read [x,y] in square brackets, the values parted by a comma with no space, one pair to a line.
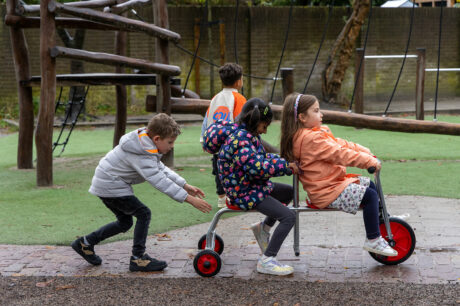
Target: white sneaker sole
[379,252]
[266,271]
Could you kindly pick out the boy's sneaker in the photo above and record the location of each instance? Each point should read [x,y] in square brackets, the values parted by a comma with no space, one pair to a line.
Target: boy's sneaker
[269,265]
[261,235]
[146,264]
[86,251]
[379,246]
[222,202]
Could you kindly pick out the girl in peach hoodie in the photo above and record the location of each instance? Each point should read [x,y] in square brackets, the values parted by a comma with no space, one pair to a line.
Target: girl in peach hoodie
[323,159]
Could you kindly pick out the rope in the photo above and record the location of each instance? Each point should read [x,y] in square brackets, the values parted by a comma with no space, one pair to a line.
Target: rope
[326,26]
[284,48]
[364,52]
[439,60]
[205,14]
[404,59]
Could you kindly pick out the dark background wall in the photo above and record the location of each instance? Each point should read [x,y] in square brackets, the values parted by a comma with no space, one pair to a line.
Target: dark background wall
[259,39]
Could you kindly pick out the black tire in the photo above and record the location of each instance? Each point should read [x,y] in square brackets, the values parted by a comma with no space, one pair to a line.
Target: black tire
[207,263]
[404,242]
[218,244]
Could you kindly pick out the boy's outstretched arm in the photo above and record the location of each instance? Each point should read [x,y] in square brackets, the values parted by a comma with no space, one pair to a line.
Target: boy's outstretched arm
[199,204]
[194,191]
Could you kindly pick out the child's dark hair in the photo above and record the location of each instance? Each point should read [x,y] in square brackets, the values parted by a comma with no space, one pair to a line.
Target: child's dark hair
[230,73]
[163,126]
[254,111]
[290,123]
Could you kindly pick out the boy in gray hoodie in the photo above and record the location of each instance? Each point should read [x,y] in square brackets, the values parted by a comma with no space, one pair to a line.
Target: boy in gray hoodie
[135,160]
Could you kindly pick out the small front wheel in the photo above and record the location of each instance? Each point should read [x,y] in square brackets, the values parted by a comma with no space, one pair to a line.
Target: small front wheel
[403,242]
[218,244]
[207,263]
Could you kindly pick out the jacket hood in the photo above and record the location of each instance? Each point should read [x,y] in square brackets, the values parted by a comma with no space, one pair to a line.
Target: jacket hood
[138,142]
[216,134]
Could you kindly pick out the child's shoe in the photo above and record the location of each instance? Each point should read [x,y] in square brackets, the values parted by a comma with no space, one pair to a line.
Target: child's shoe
[379,246]
[222,202]
[261,235]
[403,217]
[86,251]
[146,264]
[269,265]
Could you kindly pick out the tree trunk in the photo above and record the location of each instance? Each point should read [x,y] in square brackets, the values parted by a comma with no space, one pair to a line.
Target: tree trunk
[342,50]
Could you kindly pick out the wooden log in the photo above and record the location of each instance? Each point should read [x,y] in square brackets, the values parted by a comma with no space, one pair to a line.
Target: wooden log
[32,9]
[61,22]
[122,23]
[199,106]
[121,117]
[123,7]
[287,76]
[44,133]
[26,109]
[115,60]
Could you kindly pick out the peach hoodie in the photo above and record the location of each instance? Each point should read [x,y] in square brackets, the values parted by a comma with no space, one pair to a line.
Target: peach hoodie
[323,160]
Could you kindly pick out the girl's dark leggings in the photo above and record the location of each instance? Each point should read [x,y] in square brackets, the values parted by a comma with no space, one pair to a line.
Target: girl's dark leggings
[370,204]
[274,209]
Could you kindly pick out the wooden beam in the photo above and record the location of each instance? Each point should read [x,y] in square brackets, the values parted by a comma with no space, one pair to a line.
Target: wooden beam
[44,132]
[26,109]
[32,9]
[114,60]
[61,22]
[123,7]
[199,106]
[122,23]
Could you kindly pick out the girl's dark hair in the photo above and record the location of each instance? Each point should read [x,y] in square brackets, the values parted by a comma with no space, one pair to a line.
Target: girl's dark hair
[254,111]
[290,123]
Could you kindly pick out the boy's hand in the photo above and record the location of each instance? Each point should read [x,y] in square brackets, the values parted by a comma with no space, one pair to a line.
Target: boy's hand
[194,191]
[199,204]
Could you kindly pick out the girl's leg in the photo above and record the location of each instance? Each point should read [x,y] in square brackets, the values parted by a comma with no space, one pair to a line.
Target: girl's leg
[275,210]
[283,193]
[370,203]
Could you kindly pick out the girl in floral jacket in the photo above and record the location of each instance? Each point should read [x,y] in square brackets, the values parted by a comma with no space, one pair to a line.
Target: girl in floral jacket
[245,169]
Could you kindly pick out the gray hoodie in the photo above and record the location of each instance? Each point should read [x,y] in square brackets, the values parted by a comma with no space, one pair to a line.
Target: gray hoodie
[133,161]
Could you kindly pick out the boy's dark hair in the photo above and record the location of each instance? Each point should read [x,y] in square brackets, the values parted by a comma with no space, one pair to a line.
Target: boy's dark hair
[163,126]
[254,111]
[230,73]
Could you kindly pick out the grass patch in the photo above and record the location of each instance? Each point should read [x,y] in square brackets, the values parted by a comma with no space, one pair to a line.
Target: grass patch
[414,164]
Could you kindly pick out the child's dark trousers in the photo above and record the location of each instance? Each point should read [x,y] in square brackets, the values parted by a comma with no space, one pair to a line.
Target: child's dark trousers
[124,209]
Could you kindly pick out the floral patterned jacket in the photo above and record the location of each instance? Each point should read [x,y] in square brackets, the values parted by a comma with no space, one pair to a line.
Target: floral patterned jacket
[244,166]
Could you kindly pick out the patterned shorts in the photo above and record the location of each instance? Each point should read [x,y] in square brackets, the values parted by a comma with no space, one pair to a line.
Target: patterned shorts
[351,197]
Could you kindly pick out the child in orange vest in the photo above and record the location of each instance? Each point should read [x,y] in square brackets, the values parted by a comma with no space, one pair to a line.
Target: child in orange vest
[323,160]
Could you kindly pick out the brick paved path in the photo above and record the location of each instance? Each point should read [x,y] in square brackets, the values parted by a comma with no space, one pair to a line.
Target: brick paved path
[330,244]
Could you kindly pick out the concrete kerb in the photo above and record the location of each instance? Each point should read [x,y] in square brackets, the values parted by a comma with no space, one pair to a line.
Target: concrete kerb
[330,245]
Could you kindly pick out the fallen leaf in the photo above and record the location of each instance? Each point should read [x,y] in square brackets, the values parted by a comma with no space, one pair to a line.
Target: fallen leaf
[44,284]
[163,237]
[252,242]
[202,170]
[16,274]
[64,287]
[402,160]
[49,247]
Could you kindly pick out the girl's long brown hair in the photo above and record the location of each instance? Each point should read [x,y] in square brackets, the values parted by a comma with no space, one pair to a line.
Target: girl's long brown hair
[289,124]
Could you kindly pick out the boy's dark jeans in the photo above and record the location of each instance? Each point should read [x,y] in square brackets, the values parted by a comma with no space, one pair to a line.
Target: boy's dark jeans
[124,209]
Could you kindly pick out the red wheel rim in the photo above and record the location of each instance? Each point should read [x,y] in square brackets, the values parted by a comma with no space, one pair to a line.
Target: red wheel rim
[217,245]
[207,258]
[401,237]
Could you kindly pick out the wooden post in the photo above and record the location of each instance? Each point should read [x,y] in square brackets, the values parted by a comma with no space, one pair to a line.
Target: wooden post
[222,42]
[420,85]
[359,79]
[121,39]
[287,75]
[44,133]
[197,29]
[26,109]
[160,16]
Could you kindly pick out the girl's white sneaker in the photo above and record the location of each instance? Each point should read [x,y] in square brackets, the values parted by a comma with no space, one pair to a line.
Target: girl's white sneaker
[269,265]
[379,246]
